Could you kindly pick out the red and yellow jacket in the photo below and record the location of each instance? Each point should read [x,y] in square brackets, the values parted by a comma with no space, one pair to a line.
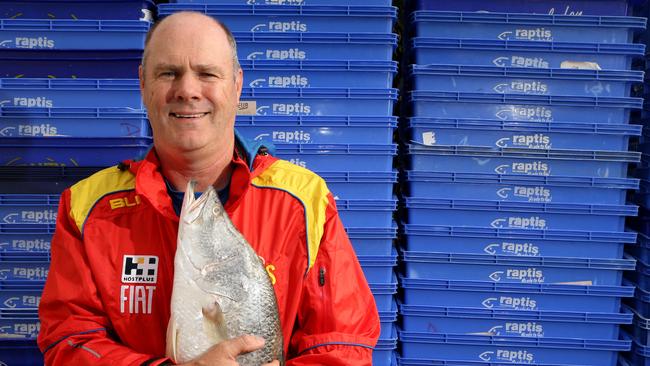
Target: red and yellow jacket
[107,296]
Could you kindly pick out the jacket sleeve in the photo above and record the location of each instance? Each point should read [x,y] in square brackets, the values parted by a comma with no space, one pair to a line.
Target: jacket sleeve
[74,327]
[338,322]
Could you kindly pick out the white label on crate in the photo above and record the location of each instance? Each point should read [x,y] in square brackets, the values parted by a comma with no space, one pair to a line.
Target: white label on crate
[566,11]
[26,245]
[522,86]
[31,217]
[507,302]
[39,102]
[519,249]
[529,34]
[247,108]
[521,356]
[533,222]
[290,54]
[298,162]
[521,61]
[429,138]
[525,113]
[37,42]
[272,26]
[38,273]
[297,136]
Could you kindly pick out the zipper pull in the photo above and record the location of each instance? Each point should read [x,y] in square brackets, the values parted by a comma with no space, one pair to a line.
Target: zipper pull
[321,276]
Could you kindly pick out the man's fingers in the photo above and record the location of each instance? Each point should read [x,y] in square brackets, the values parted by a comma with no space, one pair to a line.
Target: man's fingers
[274,363]
[243,344]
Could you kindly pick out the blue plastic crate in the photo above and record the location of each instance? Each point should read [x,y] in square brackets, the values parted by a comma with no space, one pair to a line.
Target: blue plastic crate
[19,266]
[506,296]
[538,54]
[566,7]
[379,268]
[28,238]
[41,180]
[641,301]
[517,215]
[642,196]
[516,242]
[317,102]
[385,353]
[288,3]
[361,185]
[387,321]
[521,134]
[73,122]
[318,129]
[639,329]
[366,213]
[513,107]
[512,269]
[340,157]
[439,362]
[28,208]
[641,250]
[371,241]
[305,18]
[499,187]
[516,350]
[384,294]
[315,46]
[517,80]
[17,327]
[21,299]
[86,93]
[111,64]
[530,162]
[639,355]
[527,27]
[520,323]
[65,9]
[20,353]
[641,276]
[79,34]
[318,74]
[70,151]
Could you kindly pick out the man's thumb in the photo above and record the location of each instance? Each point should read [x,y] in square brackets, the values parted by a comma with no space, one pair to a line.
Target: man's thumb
[243,344]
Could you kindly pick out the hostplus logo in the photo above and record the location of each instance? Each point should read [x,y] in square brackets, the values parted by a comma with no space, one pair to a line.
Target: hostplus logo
[524,87]
[292,26]
[290,54]
[508,302]
[31,217]
[529,34]
[533,222]
[528,275]
[531,194]
[531,168]
[520,61]
[519,249]
[525,113]
[520,356]
[290,81]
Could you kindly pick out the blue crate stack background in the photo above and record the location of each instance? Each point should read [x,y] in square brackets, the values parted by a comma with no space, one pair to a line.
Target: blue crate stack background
[514,131]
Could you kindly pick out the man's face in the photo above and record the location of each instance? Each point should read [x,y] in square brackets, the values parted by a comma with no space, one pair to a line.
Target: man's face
[189,85]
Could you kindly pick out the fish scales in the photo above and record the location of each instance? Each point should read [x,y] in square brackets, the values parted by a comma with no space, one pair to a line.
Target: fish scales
[221,289]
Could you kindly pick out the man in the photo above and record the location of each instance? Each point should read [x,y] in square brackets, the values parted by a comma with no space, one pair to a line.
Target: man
[107,297]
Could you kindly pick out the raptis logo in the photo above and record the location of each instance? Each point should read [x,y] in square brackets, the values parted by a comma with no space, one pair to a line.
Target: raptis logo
[290,54]
[298,162]
[38,42]
[30,273]
[525,113]
[536,141]
[289,81]
[520,61]
[31,217]
[37,130]
[520,356]
[39,102]
[297,136]
[533,222]
[292,26]
[529,329]
[520,249]
[530,34]
[524,87]
[27,245]
[23,302]
[291,109]
[529,168]
[528,275]
[507,302]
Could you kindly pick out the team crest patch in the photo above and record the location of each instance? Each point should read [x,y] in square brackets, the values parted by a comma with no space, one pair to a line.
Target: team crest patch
[140,269]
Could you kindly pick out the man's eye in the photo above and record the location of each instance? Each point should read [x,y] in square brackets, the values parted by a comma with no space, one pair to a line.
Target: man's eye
[167,74]
[208,75]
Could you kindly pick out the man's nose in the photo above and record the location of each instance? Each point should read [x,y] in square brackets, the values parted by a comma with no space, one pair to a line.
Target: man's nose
[187,88]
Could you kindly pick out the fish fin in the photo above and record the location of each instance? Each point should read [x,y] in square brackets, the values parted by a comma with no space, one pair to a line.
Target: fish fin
[213,313]
[172,340]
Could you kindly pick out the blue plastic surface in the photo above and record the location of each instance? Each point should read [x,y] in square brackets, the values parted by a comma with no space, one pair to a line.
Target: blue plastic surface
[388,326]
[317,101]
[288,3]
[642,196]
[538,54]
[70,151]
[532,108]
[33,238]
[361,185]
[72,122]
[110,64]
[69,93]
[518,80]
[306,18]
[566,7]
[519,323]
[527,27]
[384,294]
[509,269]
[427,184]
[78,9]
[516,242]
[366,213]
[521,134]
[340,157]
[490,295]
[45,34]
[640,276]
[318,74]
[315,46]
[466,159]
[511,349]
[28,208]
[372,241]
[378,268]
[439,362]
[318,129]
[20,353]
[517,215]
[41,180]
[641,250]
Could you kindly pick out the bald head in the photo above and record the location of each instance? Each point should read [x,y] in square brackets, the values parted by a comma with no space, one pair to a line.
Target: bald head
[179,22]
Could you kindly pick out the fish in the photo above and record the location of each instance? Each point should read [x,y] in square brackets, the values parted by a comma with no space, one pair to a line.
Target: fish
[221,289]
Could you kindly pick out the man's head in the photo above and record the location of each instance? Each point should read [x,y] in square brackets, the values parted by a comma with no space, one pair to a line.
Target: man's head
[191,81]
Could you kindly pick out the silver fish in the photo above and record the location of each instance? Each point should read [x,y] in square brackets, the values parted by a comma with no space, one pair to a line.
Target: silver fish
[221,289]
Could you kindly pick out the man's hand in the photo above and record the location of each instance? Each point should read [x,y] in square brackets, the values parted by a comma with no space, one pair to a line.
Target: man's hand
[226,352]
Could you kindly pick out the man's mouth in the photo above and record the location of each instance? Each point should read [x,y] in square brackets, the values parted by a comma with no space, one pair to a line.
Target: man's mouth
[188,115]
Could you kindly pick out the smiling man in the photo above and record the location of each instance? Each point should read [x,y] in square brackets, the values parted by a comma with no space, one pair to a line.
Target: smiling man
[107,297]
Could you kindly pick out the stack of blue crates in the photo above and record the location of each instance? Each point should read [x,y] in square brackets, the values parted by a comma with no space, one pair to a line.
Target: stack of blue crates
[318,85]
[515,181]
[69,105]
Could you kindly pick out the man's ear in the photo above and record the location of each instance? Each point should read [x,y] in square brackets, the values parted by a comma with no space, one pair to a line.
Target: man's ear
[141,77]
[239,79]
